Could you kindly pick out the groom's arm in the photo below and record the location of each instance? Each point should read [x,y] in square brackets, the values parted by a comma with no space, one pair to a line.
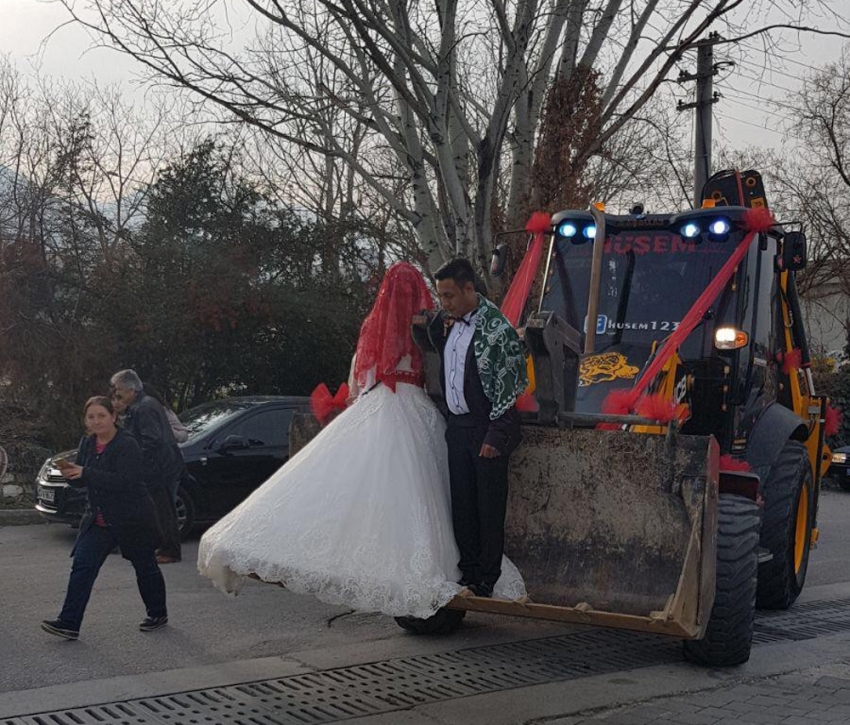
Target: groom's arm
[503,433]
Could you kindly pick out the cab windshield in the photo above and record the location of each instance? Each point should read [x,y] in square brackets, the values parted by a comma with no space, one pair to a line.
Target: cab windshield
[650,279]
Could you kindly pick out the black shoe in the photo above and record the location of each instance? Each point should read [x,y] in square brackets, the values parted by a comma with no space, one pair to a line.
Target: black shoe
[152,623]
[482,590]
[60,629]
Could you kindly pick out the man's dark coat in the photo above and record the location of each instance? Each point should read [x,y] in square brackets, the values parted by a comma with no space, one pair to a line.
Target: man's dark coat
[162,461]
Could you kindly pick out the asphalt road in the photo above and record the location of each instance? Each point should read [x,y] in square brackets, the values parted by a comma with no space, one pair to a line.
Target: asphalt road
[209,628]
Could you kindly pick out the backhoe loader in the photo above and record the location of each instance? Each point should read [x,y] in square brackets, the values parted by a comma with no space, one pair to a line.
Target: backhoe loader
[696,502]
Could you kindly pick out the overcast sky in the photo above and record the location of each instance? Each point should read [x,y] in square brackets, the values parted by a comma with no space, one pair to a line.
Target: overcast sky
[740,117]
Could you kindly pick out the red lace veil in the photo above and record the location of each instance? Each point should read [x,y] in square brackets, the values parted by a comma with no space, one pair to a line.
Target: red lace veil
[385,337]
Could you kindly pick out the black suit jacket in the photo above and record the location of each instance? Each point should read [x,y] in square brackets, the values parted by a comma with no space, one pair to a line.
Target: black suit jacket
[503,433]
[113,482]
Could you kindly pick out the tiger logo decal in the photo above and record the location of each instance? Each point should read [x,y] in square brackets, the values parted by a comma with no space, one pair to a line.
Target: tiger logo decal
[604,368]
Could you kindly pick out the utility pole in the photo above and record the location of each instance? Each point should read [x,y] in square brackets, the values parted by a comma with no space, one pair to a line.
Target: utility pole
[706,97]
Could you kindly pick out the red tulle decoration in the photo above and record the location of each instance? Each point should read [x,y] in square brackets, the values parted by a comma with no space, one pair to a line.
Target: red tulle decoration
[730,463]
[758,219]
[657,407]
[324,405]
[385,337]
[526,403]
[540,221]
[832,422]
[791,361]
[620,402]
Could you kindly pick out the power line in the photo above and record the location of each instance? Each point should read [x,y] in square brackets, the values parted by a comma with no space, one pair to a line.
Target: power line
[772,71]
[769,102]
[794,62]
[762,82]
[728,117]
[732,91]
[756,108]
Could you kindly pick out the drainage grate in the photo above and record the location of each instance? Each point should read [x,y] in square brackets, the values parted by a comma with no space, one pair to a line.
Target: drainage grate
[381,687]
[803,621]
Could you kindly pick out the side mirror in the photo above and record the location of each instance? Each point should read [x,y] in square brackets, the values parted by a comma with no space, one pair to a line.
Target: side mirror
[793,251]
[232,443]
[499,260]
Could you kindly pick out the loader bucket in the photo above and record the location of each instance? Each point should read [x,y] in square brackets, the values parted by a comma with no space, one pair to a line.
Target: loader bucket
[614,528]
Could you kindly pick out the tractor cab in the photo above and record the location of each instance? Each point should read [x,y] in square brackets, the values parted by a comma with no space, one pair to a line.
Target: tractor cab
[653,268]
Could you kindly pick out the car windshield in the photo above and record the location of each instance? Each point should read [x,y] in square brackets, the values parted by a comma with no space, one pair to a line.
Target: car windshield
[209,416]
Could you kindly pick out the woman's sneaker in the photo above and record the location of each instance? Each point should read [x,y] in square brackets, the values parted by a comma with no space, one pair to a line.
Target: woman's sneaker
[60,629]
[152,623]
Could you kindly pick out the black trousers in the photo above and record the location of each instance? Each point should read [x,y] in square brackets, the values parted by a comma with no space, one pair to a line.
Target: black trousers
[166,516]
[90,552]
[479,488]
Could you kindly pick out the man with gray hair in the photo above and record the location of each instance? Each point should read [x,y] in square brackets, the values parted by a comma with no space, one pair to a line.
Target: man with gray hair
[145,418]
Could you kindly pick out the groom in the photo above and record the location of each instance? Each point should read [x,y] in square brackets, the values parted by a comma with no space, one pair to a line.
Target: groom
[483,372]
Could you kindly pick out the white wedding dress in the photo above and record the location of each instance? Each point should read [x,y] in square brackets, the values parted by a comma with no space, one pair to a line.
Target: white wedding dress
[361,516]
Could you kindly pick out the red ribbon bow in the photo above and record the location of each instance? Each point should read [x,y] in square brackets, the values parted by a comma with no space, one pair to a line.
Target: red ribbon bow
[324,405]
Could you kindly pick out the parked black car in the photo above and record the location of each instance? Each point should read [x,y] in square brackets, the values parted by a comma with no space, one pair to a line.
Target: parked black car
[839,469]
[234,445]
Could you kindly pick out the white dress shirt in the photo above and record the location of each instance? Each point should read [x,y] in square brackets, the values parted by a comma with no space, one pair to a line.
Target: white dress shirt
[457,346]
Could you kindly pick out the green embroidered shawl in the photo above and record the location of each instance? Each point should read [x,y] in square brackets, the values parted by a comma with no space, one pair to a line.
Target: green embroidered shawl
[500,356]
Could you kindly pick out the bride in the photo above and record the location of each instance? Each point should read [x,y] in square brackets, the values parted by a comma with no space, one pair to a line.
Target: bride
[361,515]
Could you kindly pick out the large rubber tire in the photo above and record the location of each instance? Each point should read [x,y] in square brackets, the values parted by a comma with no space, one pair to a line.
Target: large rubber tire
[786,529]
[445,621]
[185,512]
[845,484]
[729,634]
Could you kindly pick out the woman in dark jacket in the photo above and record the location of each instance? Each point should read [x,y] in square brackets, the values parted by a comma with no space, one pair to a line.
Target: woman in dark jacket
[120,512]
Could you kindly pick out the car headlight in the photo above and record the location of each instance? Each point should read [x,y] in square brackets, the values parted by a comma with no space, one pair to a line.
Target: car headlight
[45,468]
[839,458]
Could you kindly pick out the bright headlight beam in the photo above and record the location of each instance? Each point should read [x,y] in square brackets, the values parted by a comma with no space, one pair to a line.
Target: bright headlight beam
[719,227]
[589,231]
[690,230]
[567,229]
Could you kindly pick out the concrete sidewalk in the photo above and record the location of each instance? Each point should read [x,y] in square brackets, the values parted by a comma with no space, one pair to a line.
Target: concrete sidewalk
[810,697]
[791,683]
[20,517]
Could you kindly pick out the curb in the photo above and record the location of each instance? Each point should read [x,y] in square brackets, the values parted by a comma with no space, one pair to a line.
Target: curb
[20,517]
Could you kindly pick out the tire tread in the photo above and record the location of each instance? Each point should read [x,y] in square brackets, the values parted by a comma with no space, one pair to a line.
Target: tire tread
[445,621]
[778,587]
[729,634]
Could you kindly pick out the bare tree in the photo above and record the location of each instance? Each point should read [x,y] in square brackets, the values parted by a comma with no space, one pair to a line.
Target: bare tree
[808,184]
[445,96]
[75,164]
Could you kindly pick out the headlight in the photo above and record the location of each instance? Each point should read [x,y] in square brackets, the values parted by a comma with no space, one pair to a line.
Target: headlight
[567,229]
[839,458]
[690,230]
[728,338]
[45,467]
[719,227]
